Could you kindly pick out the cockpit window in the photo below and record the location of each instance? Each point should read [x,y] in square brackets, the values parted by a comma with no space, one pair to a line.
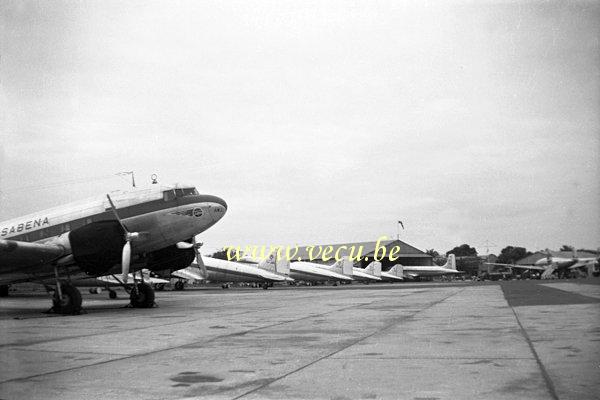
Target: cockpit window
[190,192]
[171,194]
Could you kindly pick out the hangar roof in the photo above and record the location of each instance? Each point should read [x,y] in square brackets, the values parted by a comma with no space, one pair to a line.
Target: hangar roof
[368,249]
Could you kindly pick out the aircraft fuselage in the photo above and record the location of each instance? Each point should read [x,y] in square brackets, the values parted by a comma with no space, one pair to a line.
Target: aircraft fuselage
[92,238]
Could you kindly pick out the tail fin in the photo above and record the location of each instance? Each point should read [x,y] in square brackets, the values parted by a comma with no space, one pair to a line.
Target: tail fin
[283,266]
[451,262]
[374,269]
[274,263]
[397,270]
[343,266]
[269,263]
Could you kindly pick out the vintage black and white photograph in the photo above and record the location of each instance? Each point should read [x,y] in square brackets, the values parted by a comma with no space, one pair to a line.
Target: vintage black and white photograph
[276,199]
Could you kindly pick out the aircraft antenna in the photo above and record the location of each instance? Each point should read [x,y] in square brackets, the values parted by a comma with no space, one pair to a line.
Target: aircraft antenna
[128,173]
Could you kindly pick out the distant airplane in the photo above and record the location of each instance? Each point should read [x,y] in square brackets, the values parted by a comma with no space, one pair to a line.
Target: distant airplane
[371,273]
[415,271]
[187,274]
[223,271]
[303,271]
[151,228]
[343,267]
[314,272]
[394,274]
[107,282]
[562,265]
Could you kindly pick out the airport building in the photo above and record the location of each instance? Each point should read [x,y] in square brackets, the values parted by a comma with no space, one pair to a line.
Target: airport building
[406,255]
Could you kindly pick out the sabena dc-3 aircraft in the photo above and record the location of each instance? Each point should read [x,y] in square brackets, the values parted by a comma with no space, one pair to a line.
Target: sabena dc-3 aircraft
[150,228]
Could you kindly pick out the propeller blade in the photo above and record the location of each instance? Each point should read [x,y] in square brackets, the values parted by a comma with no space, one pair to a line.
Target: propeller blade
[116,214]
[125,261]
[199,259]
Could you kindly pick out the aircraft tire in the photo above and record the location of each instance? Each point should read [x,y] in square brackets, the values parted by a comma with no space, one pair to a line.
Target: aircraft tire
[112,294]
[143,297]
[70,303]
[179,285]
[160,286]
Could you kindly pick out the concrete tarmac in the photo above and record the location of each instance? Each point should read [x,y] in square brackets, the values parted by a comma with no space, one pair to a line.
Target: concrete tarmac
[424,341]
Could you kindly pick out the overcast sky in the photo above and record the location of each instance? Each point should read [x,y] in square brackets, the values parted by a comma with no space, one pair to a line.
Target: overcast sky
[318,122]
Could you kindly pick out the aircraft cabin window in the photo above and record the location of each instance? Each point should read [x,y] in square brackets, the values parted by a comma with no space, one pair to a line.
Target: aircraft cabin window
[179,192]
[168,195]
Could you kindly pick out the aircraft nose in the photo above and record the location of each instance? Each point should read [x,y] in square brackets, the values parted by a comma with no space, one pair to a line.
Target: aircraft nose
[218,209]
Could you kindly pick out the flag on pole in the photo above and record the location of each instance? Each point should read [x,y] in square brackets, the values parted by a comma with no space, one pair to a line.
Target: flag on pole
[401,224]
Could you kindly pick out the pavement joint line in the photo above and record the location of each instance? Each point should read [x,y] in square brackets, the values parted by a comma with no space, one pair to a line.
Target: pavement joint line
[177,347]
[32,343]
[431,358]
[166,300]
[72,351]
[545,375]
[354,342]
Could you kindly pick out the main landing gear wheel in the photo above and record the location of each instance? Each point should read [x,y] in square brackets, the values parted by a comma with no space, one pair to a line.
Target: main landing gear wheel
[112,294]
[69,302]
[179,285]
[143,297]
[265,286]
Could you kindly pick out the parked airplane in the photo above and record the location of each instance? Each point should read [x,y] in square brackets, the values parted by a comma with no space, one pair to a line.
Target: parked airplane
[190,273]
[313,272]
[415,271]
[107,282]
[394,274]
[562,265]
[146,228]
[223,271]
[371,273]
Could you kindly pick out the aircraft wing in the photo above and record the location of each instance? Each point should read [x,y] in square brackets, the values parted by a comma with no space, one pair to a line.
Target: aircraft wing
[533,267]
[116,281]
[17,256]
[581,264]
[246,270]
[188,273]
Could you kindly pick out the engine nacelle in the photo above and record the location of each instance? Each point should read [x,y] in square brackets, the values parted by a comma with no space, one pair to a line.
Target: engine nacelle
[98,246]
[170,258]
